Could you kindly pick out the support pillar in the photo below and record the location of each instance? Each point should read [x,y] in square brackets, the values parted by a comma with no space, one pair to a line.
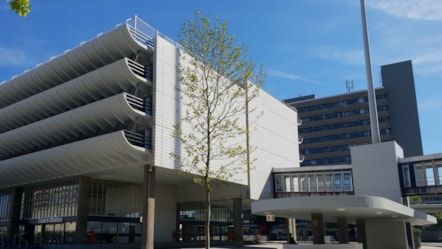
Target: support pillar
[14,213]
[360,224]
[291,229]
[82,209]
[177,223]
[147,236]
[343,230]
[238,222]
[318,229]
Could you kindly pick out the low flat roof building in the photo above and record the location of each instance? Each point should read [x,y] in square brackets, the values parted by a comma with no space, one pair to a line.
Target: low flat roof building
[368,193]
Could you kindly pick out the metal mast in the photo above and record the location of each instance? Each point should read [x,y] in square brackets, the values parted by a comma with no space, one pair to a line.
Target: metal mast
[374,123]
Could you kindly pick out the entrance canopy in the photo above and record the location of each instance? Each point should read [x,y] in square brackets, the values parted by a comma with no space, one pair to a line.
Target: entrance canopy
[348,206]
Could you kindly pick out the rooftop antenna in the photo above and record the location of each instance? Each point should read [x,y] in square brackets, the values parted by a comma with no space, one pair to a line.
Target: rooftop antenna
[349,85]
[374,123]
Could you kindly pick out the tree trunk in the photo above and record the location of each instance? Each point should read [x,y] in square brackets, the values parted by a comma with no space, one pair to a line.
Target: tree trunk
[208,215]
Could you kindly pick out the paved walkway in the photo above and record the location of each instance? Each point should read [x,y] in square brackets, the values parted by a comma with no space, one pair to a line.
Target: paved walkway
[431,245]
[279,245]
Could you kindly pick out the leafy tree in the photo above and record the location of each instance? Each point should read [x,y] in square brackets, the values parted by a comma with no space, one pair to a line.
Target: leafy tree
[20,7]
[215,85]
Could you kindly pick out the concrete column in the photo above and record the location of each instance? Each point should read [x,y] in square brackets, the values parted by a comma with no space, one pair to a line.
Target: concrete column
[318,229]
[147,236]
[82,209]
[14,213]
[291,228]
[410,235]
[238,222]
[385,234]
[177,223]
[360,224]
[343,230]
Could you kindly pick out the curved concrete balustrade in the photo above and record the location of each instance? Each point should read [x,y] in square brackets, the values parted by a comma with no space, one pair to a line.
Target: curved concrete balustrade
[106,81]
[69,125]
[109,151]
[90,56]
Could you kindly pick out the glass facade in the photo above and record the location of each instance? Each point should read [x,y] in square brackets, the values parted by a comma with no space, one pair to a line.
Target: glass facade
[341,114]
[338,181]
[342,136]
[5,203]
[48,212]
[421,177]
[59,199]
[342,125]
[339,103]
[117,199]
[192,218]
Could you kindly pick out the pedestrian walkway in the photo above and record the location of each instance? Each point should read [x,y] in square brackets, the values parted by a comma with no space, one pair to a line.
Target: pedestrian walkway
[426,245]
[279,245]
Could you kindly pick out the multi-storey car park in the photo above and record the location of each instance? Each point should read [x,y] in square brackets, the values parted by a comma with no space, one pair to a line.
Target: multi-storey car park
[86,140]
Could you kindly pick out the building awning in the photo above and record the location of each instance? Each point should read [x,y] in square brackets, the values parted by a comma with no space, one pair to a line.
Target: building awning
[332,207]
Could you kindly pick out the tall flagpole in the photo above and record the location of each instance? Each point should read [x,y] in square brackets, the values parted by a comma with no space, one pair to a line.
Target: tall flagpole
[374,123]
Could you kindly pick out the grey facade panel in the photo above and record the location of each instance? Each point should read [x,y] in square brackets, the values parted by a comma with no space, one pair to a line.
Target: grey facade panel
[398,79]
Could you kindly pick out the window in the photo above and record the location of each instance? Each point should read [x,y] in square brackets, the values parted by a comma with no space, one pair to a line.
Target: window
[321,183]
[406,175]
[429,174]
[304,183]
[329,182]
[338,182]
[312,183]
[295,182]
[5,201]
[419,174]
[278,180]
[288,186]
[348,185]
[439,172]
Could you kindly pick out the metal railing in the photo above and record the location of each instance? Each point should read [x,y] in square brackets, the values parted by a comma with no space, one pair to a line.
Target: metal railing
[139,104]
[300,139]
[141,31]
[135,102]
[138,139]
[140,70]
[20,241]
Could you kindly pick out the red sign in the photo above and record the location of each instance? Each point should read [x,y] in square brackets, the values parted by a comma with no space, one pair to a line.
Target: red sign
[270,218]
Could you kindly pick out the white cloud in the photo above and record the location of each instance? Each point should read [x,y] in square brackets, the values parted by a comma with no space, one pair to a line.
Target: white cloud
[289,76]
[412,9]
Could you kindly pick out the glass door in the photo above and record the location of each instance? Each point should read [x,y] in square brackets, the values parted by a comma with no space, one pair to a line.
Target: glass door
[53,233]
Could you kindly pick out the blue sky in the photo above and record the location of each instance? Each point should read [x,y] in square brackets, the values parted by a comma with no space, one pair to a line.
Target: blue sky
[306,46]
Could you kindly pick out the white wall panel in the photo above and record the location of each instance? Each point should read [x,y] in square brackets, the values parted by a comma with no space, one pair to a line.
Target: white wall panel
[165,102]
[274,133]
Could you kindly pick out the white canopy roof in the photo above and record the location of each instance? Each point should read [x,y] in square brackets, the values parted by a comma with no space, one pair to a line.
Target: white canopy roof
[332,207]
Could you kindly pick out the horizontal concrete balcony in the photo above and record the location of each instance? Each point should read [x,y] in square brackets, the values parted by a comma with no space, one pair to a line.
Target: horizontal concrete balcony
[124,41]
[107,81]
[113,151]
[83,122]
